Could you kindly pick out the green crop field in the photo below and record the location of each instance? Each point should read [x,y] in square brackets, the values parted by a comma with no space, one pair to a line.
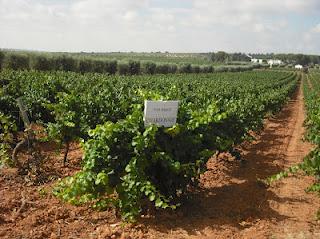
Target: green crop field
[216,113]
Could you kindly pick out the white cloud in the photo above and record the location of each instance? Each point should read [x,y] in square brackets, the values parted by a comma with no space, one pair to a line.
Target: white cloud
[310,39]
[109,25]
[316,29]
[249,13]
[130,16]
[258,6]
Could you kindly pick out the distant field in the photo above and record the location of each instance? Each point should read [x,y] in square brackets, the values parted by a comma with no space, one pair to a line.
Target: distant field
[157,57]
[191,58]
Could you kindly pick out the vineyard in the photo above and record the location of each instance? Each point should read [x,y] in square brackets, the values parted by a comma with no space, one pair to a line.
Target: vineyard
[127,165]
[311,164]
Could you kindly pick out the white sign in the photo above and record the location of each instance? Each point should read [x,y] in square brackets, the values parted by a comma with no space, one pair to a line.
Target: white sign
[161,113]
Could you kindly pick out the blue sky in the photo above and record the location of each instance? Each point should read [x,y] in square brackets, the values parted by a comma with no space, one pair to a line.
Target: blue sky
[250,26]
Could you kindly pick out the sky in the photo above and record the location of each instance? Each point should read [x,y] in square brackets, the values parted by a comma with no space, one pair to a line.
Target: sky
[250,26]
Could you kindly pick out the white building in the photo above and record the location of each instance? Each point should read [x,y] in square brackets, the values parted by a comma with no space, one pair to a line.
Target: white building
[254,60]
[275,62]
[299,67]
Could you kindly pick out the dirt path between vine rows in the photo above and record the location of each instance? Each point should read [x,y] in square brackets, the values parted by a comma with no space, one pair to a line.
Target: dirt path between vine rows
[234,205]
[231,203]
[306,77]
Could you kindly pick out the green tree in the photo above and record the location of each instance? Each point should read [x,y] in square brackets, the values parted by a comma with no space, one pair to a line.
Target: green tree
[42,63]
[17,62]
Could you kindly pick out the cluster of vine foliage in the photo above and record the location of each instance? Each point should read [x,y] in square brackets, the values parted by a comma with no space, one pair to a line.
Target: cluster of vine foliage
[7,128]
[311,164]
[126,164]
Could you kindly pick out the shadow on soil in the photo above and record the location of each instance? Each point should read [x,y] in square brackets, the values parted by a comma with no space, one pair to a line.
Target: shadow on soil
[240,198]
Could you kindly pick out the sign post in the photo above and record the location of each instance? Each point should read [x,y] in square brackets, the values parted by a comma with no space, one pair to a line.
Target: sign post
[23,113]
[160,113]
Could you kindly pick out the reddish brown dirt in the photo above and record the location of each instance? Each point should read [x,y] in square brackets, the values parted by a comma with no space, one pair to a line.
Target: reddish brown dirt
[230,204]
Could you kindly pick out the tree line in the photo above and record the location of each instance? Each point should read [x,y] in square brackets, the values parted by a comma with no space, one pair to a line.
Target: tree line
[20,61]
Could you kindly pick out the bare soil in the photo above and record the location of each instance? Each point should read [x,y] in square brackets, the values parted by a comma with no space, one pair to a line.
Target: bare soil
[231,203]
